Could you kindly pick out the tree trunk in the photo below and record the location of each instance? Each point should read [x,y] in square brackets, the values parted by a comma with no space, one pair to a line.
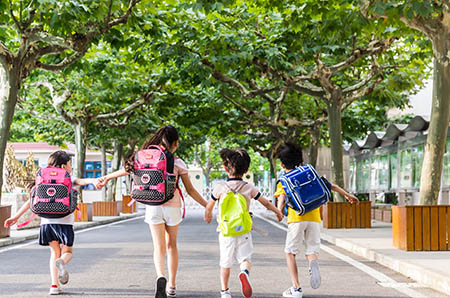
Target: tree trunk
[430,181]
[9,88]
[80,144]
[337,153]
[104,189]
[314,144]
[117,157]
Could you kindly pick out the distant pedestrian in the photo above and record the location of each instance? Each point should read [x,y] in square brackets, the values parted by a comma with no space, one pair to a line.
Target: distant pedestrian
[234,196]
[163,219]
[56,232]
[302,229]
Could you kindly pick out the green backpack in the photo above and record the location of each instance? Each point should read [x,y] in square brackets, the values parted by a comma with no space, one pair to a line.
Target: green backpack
[234,218]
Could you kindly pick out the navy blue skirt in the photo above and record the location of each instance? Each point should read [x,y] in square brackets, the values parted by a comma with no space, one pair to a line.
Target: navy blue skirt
[55,232]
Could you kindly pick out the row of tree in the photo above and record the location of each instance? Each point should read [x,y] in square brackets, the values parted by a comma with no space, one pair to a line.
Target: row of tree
[255,73]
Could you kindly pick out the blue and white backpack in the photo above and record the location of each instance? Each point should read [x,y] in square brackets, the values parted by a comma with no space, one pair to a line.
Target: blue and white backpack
[305,189]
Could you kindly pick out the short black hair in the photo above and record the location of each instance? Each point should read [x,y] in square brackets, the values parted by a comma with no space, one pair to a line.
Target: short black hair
[58,158]
[237,161]
[290,155]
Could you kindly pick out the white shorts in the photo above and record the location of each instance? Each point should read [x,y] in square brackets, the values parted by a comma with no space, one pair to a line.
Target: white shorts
[238,247]
[155,215]
[303,232]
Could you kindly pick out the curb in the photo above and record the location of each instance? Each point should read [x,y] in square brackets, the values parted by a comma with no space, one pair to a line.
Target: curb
[77,226]
[423,276]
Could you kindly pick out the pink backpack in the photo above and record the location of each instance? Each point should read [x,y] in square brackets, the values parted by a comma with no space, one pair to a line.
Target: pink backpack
[152,183]
[53,197]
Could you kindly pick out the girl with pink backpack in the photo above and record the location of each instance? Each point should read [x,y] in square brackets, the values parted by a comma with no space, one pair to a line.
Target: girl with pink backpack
[155,173]
[52,197]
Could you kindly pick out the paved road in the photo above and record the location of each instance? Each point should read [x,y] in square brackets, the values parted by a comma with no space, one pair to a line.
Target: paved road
[116,261]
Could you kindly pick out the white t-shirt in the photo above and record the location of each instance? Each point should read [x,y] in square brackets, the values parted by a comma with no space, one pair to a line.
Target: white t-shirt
[66,220]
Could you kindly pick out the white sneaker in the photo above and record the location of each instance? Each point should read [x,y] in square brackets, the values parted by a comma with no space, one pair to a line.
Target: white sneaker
[225,294]
[314,274]
[63,275]
[55,291]
[293,293]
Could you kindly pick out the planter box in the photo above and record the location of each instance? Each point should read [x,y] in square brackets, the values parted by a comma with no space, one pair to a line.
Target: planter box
[338,215]
[106,208]
[421,228]
[126,199]
[5,213]
[387,215]
[86,212]
[378,214]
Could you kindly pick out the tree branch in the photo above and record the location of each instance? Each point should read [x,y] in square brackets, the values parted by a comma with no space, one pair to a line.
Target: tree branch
[245,109]
[13,17]
[122,19]
[66,62]
[58,101]
[146,97]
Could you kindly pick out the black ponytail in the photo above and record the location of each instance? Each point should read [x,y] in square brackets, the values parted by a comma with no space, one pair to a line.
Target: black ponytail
[166,136]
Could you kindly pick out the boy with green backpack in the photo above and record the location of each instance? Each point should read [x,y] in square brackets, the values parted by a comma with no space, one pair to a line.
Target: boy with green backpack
[235,223]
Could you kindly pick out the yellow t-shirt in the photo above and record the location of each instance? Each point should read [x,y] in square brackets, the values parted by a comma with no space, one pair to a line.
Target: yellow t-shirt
[313,215]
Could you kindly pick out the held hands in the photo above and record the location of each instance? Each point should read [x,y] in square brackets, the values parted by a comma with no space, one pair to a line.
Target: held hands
[101,182]
[279,214]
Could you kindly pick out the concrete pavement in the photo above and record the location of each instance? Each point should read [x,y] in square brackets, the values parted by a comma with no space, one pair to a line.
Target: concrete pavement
[428,268]
[18,236]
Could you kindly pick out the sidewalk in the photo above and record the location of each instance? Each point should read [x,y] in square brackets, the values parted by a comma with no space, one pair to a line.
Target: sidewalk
[429,268]
[29,234]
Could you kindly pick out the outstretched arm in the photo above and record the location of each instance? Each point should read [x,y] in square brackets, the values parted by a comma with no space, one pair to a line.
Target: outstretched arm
[192,191]
[13,219]
[351,198]
[266,203]
[85,181]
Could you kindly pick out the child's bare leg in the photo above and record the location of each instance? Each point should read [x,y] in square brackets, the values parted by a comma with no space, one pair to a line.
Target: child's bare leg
[224,277]
[55,253]
[66,254]
[172,253]
[159,247]
[245,265]
[311,257]
[293,270]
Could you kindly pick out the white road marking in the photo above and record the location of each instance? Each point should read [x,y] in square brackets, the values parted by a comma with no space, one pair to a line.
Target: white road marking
[12,247]
[382,278]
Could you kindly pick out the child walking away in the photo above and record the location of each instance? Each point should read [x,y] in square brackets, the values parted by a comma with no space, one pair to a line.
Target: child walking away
[52,197]
[235,239]
[302,228]
[162,197]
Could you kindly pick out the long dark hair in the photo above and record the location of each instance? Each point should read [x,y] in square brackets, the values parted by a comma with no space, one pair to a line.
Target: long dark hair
[166,136]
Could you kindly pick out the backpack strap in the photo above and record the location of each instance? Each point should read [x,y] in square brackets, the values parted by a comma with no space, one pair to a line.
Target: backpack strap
[237,188]
[28,221]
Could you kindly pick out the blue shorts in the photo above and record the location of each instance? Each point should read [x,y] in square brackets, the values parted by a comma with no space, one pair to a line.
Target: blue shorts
[55,232]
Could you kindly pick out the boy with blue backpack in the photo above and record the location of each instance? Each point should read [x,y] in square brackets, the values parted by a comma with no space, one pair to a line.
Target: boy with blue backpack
[305,227]
[235,223]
